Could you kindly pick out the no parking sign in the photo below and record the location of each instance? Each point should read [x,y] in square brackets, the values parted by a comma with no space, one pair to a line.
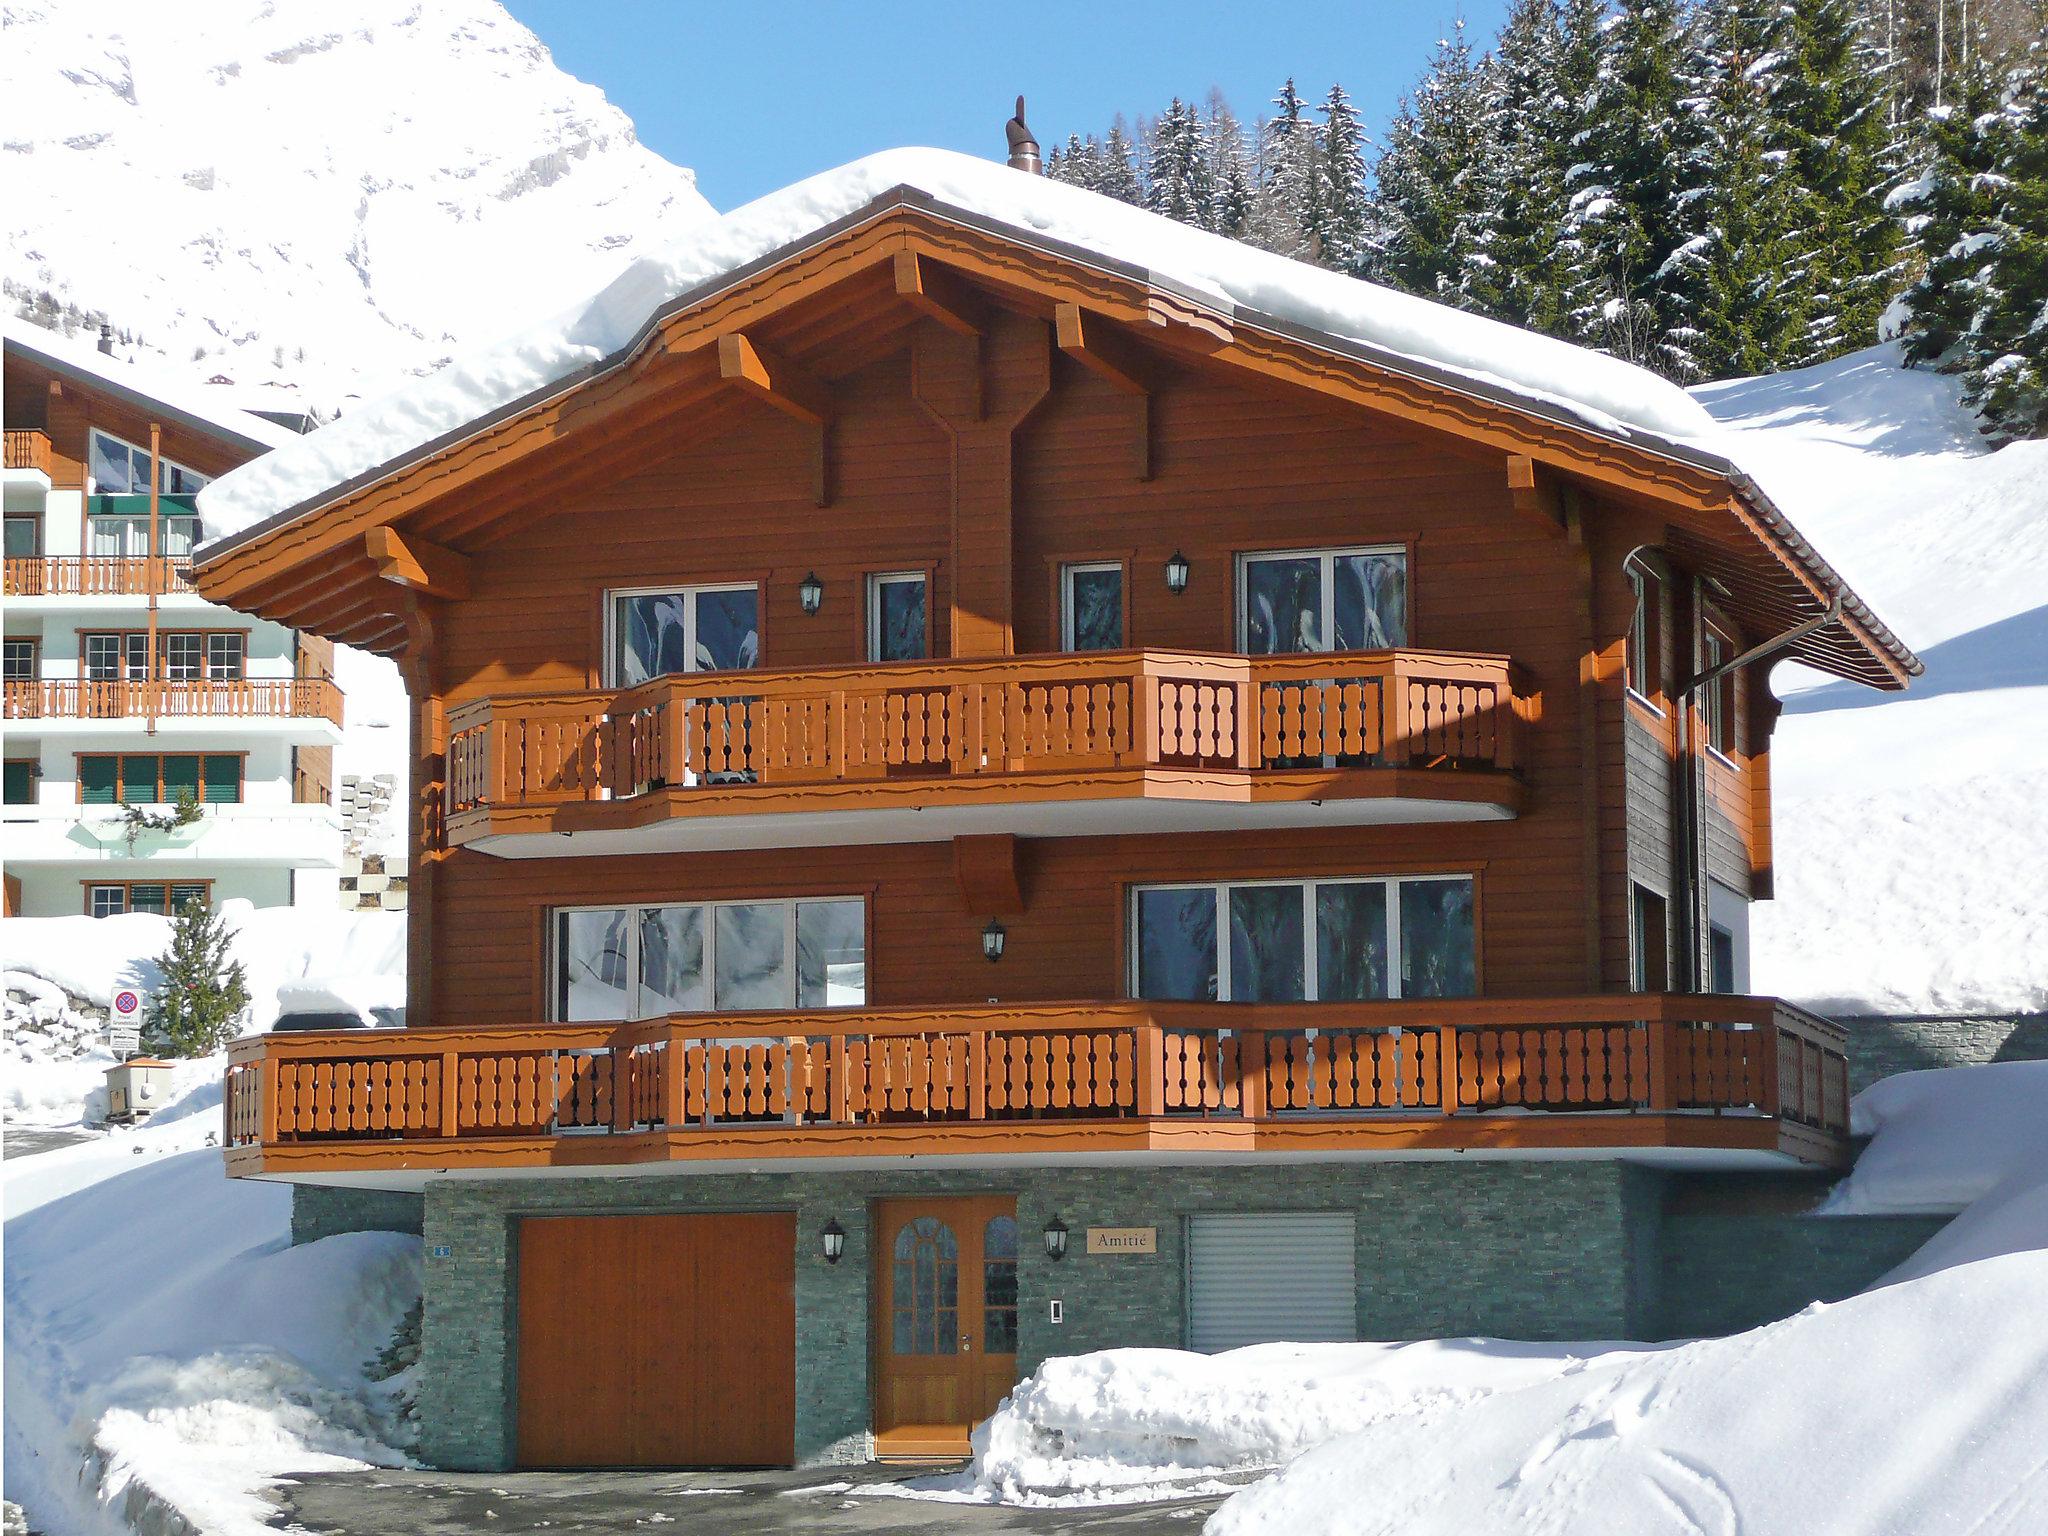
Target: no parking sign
[124,1024]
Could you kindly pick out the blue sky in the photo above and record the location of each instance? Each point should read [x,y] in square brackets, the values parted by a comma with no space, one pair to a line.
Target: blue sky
[756,95]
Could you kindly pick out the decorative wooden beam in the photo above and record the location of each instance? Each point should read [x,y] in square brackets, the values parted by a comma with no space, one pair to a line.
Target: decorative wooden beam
[985,865]
[940,295]
[1099,349]
[434,569]
[780,383]
[1534,495]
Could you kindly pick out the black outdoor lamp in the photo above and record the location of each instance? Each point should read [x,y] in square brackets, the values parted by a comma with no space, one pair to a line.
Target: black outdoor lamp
[992,938]
[1177,573]
[1055,1239]
[811,592]
[833,1240]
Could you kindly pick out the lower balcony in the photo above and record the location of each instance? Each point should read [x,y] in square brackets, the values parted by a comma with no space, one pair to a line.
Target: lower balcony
[1715,1081]
[1111,742]
[97,575]
[316,698]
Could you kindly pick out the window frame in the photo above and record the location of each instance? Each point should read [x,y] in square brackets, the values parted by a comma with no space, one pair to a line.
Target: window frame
[33,644]
[552,977]
[1717,699]
[34,522]
[1311,967]
[871,586]
[609,668]
[164,462]
[127,888]
[1639,937]
[241,760]
[128,641]
[1643,648]
[33,766]
[1064,598]
[1328,554]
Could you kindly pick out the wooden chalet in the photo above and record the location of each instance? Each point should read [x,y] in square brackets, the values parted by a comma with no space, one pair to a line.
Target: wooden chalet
[953,735]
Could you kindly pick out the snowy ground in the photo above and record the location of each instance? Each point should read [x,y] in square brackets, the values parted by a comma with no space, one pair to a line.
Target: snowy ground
[1798,1426]
[1910,828]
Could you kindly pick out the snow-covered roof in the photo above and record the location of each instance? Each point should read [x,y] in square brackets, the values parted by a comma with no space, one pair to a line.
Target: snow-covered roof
[147,383]
[1605,393]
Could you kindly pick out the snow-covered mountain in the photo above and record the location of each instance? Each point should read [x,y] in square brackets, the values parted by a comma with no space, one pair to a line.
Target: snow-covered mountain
[317,194]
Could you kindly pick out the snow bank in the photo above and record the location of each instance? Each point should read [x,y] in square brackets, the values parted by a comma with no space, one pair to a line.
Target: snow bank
[1915,1408]
[1608,393]
[94,956]
[160,1328]
[1910,830]
[1944,1139]
[1134,1417]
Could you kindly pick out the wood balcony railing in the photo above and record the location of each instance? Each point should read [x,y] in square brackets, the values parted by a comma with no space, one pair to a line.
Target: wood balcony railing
[978,719]
[171,699]
[97,575]
[1527,1072]
[28,448]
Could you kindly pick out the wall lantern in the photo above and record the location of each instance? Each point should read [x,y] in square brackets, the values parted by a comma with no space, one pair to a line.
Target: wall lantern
[811,592]
[1177,573]
[833,1240]
[1055,1239]
[992,938]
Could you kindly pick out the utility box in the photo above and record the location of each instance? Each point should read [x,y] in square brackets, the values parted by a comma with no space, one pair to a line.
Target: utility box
[136,1088]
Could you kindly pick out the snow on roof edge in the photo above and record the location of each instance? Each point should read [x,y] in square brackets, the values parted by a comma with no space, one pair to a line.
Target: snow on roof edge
[146,379]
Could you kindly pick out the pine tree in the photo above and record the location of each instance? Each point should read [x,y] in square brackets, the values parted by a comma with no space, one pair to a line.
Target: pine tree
[1178,172]
[1434,220]
[199,1004]
[1118,177]
[1230,176]
[1289,147]
[1337,220]
[2009,384]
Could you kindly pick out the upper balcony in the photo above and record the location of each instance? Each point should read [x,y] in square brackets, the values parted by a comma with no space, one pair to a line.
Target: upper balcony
[1723,1081]
[97,575]
[28,450]
[1127,741]
[237,700]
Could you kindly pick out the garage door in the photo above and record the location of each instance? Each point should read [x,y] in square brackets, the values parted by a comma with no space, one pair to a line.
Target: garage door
[657,1341]
[1272,1276]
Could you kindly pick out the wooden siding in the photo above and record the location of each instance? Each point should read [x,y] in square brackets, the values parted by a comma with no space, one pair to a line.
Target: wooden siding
[70,413]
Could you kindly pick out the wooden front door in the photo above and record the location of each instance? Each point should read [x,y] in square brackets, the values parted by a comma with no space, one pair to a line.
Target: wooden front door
[945,1320]
[657,1341]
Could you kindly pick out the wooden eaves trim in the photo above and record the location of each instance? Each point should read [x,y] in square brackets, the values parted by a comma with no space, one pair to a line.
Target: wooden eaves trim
[673,362]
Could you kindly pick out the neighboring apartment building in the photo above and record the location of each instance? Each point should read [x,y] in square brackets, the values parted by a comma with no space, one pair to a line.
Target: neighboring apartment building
[981,794]
[124,687]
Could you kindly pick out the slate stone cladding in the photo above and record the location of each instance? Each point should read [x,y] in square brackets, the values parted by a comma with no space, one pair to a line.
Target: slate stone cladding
[323,1210]
[1881,1045]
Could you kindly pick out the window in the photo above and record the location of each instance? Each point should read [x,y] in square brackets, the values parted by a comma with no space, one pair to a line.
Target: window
[182,654]
[149,778]
[1305,940]
[1645,635]
[186,655]
[122,469]
[24,538]
[21,655]
[1720,959]
[226,657]
[117,656]
[22,773]
[999,1286]
[1323,600]
[645,961]
[113,897]
[896,617]
[125,535]
[1727,939]
[684,629]
[1717,698]
[1092,606]
[1649,942]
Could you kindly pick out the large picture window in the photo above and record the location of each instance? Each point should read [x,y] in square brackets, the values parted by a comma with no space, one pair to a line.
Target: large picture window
[1275,941]
[642,962]
[120,468]
[682,629]
[1323,600]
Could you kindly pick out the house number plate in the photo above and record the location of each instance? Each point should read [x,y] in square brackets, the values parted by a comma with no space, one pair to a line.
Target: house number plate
[1123,1239]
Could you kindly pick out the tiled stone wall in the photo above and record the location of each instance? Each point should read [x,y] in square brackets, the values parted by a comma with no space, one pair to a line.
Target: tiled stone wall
[1880,1046]
[1724,1273]
[320,1210]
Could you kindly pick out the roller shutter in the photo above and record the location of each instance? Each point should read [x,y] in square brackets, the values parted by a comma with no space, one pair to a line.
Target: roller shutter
[1272,1276]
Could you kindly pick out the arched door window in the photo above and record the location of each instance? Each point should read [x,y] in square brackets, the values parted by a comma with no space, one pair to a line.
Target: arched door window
[925,1296]
[999,1286]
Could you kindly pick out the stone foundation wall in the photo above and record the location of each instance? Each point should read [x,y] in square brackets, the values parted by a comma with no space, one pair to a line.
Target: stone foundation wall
[320,1210]
[1880,1046]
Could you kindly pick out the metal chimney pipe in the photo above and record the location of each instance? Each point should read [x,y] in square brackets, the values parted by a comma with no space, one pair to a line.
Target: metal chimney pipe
[1023,147]
[106,338]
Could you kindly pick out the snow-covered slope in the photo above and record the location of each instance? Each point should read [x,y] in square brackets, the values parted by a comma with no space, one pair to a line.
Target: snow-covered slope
[1911,829]
[308,192]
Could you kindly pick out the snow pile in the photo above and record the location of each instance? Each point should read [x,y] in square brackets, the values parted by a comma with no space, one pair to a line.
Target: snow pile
[313,192]
[54,1054]
[160,1328]
[1130,1418]
[1910,831]
[1612,395]
[1910,1409]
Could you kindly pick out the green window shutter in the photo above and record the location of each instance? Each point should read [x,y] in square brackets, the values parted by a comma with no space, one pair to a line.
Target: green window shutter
[21,783]
[139,779]
[98,778]
[181,894]
[148,898]
[223,779]
[181,777]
